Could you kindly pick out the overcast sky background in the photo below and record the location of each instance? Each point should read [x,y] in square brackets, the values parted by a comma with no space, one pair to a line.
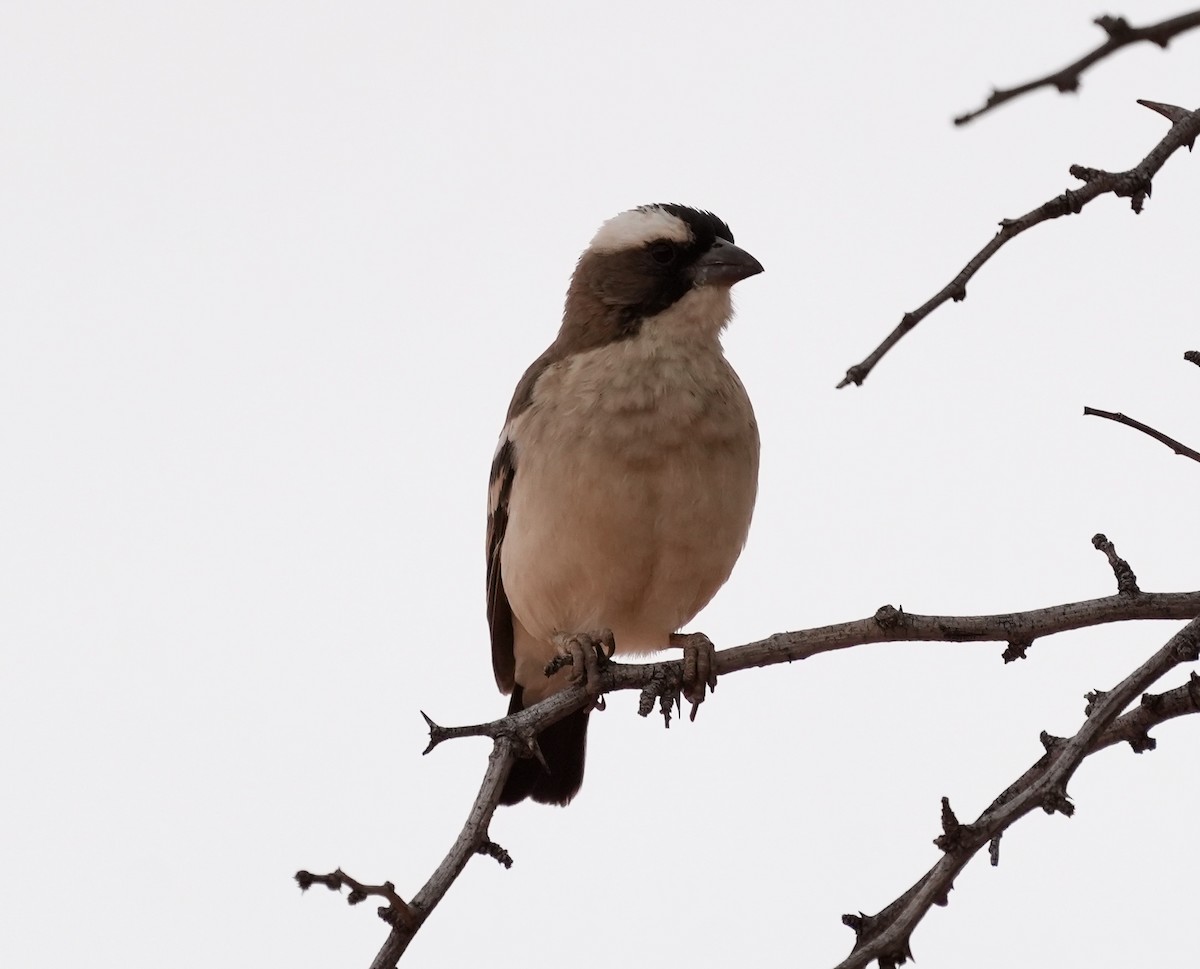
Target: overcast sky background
[268,274]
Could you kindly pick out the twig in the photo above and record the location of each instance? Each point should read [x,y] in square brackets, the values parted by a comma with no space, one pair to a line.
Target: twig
[1134,184]
[1192,356]
[885,937]
[397,911]
[1174,445]
[1120,34]
[1126,580]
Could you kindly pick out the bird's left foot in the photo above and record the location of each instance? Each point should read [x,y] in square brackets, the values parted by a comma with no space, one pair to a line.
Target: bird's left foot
[699,667]
[585,653]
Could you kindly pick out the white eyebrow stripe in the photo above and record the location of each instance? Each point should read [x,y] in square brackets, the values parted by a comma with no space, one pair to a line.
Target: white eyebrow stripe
[635,228]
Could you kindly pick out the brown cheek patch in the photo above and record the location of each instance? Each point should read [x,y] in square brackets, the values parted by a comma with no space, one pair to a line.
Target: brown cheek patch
[620,279]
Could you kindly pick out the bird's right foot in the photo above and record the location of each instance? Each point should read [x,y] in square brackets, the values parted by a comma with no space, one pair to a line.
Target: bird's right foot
[585,653]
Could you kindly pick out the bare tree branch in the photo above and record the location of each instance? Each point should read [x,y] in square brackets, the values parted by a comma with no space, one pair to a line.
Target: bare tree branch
[1134,184]
[1174,445]
[1120,34]
[661,682]
[1192,356]
[885,937]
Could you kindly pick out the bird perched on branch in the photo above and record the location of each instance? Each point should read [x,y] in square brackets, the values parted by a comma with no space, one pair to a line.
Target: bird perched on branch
[624,481]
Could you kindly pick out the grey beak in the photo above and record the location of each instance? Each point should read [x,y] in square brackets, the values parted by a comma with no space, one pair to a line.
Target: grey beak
[724,264]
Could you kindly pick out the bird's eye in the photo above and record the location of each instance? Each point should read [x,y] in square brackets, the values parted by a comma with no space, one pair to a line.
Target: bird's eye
[662,253]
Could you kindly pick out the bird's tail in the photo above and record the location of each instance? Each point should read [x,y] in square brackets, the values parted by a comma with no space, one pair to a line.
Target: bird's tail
[564,745]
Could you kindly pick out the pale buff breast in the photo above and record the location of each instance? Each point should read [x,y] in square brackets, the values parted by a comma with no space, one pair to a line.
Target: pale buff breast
[633,500]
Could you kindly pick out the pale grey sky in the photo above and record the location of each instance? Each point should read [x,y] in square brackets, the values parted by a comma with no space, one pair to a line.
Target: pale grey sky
[268,273]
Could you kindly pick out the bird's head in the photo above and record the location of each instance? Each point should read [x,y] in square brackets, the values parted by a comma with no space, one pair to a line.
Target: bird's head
[657,266]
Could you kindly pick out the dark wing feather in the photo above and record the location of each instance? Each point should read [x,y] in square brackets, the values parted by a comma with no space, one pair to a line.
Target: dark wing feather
[499,612]
[504,469]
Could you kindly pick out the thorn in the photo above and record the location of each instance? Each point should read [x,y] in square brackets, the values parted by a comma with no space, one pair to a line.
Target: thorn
[536,751]
[436,734]
[855,375]
[994,849]
[1171,112]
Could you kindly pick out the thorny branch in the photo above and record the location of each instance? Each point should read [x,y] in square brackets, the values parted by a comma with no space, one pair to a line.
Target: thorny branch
[885,937]
[1134,184]
[1120,34]
[515,735]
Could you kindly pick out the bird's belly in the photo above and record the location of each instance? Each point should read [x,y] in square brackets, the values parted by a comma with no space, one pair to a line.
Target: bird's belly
[633,539]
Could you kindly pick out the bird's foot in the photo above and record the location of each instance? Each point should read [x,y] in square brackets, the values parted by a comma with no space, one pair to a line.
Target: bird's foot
[699,667]
[585,653]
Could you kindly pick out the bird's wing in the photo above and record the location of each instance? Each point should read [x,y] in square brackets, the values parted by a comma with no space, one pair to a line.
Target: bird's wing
[499,612]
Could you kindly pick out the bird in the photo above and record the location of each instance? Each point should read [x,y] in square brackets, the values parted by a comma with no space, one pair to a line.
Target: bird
[624,480]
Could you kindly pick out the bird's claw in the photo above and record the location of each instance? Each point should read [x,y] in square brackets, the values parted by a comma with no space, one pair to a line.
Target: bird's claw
[585,653]
[699,667]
